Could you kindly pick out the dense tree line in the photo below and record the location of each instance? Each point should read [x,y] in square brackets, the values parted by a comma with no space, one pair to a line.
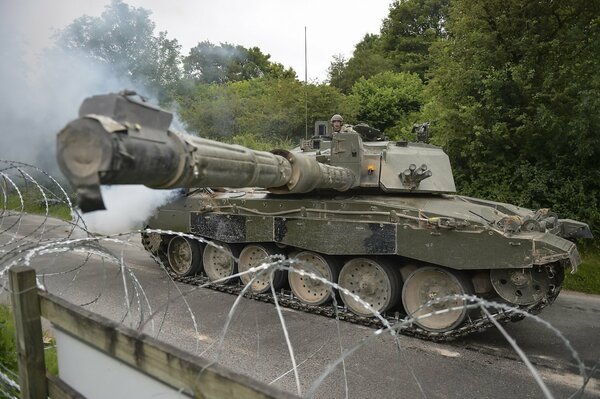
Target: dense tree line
[515,92]
[511,88]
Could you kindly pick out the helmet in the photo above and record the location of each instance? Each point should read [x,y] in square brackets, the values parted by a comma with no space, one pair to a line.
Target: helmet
[336,117]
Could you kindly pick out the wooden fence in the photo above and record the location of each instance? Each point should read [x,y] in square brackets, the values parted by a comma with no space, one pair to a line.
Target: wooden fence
[184,374]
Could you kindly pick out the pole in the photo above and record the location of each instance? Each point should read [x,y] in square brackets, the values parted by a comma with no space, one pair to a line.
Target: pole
[305,87]
[28,326]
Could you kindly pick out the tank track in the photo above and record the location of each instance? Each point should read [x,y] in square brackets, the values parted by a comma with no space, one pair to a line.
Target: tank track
[286,299]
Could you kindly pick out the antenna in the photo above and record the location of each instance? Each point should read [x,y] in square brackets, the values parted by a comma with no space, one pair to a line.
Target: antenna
[305,88]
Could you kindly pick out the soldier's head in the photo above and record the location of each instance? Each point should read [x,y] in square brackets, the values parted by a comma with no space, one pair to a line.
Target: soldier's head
[336,122]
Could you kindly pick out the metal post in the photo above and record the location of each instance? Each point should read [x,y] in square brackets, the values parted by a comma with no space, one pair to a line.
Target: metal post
[28,326]
[305,87]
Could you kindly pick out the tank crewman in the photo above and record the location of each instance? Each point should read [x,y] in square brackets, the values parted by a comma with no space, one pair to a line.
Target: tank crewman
[336,123]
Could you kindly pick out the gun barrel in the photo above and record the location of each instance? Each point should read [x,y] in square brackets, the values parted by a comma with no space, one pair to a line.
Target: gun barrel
[114,148]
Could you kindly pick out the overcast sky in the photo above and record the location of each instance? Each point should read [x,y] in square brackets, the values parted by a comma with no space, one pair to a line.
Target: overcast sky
[275,26]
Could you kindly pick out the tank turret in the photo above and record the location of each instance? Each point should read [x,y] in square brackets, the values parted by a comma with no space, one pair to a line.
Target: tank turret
[378,217]
[132,144]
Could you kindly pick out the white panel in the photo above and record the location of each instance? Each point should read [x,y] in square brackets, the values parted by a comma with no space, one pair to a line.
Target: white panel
[94,374]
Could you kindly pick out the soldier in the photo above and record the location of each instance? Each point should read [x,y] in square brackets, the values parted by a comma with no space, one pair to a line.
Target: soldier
[336,123]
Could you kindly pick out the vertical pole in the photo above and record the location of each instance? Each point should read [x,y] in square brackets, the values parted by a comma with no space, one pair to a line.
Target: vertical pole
[305,86]
[28,326]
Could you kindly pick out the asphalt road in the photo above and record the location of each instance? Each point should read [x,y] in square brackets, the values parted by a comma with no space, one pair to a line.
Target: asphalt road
[482,365]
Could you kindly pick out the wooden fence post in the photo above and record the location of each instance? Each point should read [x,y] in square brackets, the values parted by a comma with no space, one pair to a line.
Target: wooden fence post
[28,326]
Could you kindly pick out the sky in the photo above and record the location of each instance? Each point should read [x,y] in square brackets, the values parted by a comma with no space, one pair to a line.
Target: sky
[275,26]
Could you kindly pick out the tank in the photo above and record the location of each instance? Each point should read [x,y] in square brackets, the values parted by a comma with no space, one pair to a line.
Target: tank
[380,218]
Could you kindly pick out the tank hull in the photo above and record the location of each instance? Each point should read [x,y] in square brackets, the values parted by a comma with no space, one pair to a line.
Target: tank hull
[415,249]
[372,225]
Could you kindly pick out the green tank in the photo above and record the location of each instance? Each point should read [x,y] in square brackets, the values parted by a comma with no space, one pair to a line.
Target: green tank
[380,218]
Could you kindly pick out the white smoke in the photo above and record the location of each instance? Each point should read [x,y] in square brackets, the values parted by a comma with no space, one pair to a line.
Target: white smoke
[42,90]
[34,108]
[127,207]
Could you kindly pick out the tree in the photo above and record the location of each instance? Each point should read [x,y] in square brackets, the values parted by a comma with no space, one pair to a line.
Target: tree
[406,35]
[123,39]
[387,100]
[516,96]
[209,63]
[336,70]
[367,60]
[261,108]
[411,27]
[162,72]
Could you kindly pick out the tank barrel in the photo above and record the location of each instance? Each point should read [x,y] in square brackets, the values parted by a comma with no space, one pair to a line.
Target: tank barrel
[118,140]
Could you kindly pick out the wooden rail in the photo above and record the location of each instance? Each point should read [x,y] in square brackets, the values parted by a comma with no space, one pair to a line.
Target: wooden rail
[182,371]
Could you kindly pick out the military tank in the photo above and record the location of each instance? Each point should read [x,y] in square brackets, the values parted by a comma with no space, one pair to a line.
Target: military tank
[380,218]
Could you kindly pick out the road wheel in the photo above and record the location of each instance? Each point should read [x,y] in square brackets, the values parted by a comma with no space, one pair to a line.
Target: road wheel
[254,255]
[429,283]
[309,290]
[375,282]
[219,261]
[522,286]
[184,256]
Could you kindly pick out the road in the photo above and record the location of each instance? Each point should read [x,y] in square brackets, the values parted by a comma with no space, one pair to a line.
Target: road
[482,365]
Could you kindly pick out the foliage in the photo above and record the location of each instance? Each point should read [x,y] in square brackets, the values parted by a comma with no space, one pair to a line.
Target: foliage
[8,350]
[8,347]
[50,354]
[388,100]
[335,72]
[260,143]
[411,27]
[208,63]
[367,60]
[409,30]
[263,107]
[515,94]
[123,39]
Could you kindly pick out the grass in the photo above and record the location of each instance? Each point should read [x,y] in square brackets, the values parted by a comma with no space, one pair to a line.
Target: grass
[33,202]
[8,350]
[587,278]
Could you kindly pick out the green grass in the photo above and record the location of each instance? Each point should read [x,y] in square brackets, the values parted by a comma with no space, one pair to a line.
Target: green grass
[8,349]
[587,278]
[34,203]
[50,354]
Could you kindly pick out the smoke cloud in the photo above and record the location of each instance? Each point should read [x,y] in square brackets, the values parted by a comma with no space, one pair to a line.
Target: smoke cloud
[127,208]
[41,92]
[38,98]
